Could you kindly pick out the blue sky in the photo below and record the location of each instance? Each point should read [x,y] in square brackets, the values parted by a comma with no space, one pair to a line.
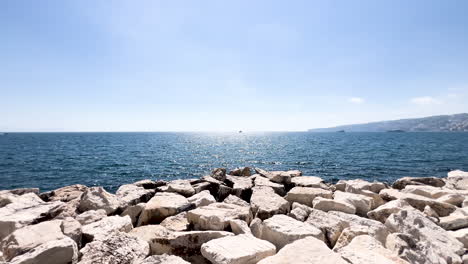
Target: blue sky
[228,65]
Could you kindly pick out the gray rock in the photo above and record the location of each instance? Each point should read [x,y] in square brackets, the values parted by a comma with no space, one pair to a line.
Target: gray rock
[134,211]
[431,181]
[331,225]
[219,174]
[265,203]
[245,171]
[149,184]
[65,194]
[163,205]
[241,186]
[96,198]
[262,181]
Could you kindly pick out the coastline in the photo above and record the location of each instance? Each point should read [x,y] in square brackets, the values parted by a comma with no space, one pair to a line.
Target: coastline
[240,216]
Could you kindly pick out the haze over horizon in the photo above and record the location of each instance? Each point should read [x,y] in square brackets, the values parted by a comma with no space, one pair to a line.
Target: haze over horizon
[228,66]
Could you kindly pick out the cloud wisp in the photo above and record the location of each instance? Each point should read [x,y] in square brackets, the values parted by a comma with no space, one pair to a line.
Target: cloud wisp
[356,100]
[425,100]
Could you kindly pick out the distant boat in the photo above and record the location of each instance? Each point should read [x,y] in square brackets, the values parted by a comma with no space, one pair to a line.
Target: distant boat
[240,131]
[396,131]
[340,131]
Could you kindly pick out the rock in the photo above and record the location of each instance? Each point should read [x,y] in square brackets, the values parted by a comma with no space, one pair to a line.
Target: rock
[202,198]
[105,227]
[365,249]
[134,211]
[256,227]
[21,191]
[428,191]
[461,235]
[184,244]
[262,181]
[72,229]
[219,174]
[177,222]
[24,239]
[239,227]
[381,213]
[246,172]
[164,259]
[241,249]
[202,186]
[279,176]
[241,186]
[118,248]
[360,185]
[59,251]
[431,181]
[309,181]
[376,200]
[231,199]
[216,216]
[70,209]
[305,251]
[454,199]
[161,206]
[362,203]
[265,203]
[454,221]
[419,202]
[130,194]
[15,215]
[457,180]
[306,195]
[282,230]
[19,201]
[326,205]
[91,216]
[300,212]
[182,187]
[65,194]
[420,240]
[429,212]
[96,198]
[149,184]
[331,225]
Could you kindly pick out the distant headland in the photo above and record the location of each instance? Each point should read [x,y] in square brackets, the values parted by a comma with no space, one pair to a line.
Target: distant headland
[442,123]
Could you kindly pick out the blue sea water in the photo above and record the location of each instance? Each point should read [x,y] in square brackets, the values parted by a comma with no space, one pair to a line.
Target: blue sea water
[53,160]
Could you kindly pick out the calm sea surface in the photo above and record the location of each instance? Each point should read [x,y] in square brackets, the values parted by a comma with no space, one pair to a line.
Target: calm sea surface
[53,160]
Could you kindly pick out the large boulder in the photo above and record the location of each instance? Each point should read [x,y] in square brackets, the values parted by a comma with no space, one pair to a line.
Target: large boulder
[299,211]
[182,187]
[362,203]
[331,225]
[216,216]
[457,180]
[262,181]
[421,240]
[265,203]
[202,198]
[309,181]
[240,249]
[431,181]
[58,251]
[365,249]
[461,235]
[231,199]
[134,211]
[279,176]
[130,194]
[163,205]
[454,221]
[376,200]
[327,205]
[359,184]
[305,251]
[106,227]
[306,195]
[245,171]
[282,230]
[381,213]
[219,174]
[239,227]
[177,222]
[241,186]
[19,201]
[163,259]
[65,194]
[119,248]
[91,216]
[96,198]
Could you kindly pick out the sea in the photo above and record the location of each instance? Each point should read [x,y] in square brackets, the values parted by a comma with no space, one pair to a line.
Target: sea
[53,160]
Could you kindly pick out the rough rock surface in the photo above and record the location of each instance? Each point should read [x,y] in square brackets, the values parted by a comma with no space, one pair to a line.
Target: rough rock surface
[262,181]
[65,194]
[279,176]
[309,181]
[362,203]
[231,199]
[265,203]
[91,216]
[202,198]
[331,225]
[177,222]
[239,227]
[300,212]
[359,184]
[241,186]
[134,211]
[461,235]
[306,195]
[182,187]
[130,194]
[96,198]
[326,205]
[381,213]
[245,171]
[216,216]
[304,251]
[240,249]
[431,181]
[59,251]
[164,259]
[106,227]
[161,206]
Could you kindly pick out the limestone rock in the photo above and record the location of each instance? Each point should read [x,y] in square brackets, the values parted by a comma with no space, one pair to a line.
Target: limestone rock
[305,251]
[241,186]
[454,221]
[256,227]
[105,227]
[91,216]
[262,181]
[309,181]
[279,176]
[72,229]
[241,249]
[134,211]
[19,201]
[381,213]
[457,180]
[376,200]
[331,225]
[239,227]
[359,184]
[231,199]
[265,203]
[96,198]
[161,206]
[282,230]
[362,203]
[421,240]
[216,216]
[431,181]
[326,205]
[453,198]
[177,222]
[149,184]
[59,251]
[65,194]
[461,235]
[219,174]
[118,248]
[300,212]
[365,249]
[202,198]
[130,194]
[428,191]
[182,187]
[306,195]
[21,191]
[202,186]
[164,259]
[246,172]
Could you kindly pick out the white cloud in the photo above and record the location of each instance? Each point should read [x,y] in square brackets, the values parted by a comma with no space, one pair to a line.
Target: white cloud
[356,100]
[425,100]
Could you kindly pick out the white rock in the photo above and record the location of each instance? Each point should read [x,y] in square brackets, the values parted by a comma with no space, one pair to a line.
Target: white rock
[241,249]
[306,195]
[429,181]
[381,213]
[362,203]
[241,186]
[239,227]
[182,187]
[115,248]
[453,198]
[331,225]
[422,241]
[96,198]
[59,251]
[262,181]
[365,249]
[326,205]
[461,235]
[279,176]
[231,199]
[72,229]
[161,206]
[216,216]
[359,184]
[454,221]
[177,222]
[282,230]
[91,216]
[265,203]
[65,194]
[20,201]
[309,181]
[457,180]
[134,211]
[202,198]
[256,227]
[130,194]
[164,259]
[106,226]
[305,251]
[376,200]
[300,212]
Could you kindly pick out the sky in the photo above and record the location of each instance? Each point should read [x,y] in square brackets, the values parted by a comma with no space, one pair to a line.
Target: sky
[86,65]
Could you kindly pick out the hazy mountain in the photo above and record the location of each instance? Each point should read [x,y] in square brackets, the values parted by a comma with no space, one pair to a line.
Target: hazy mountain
[443,123]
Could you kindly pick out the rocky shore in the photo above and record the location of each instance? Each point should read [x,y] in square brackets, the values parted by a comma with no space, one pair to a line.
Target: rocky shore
[240,216]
